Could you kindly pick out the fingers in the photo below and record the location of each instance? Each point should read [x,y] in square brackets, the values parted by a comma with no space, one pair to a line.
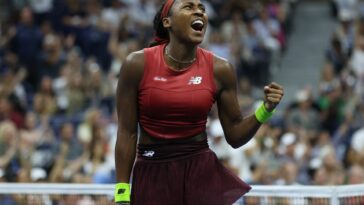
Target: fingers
[268,90]
[273,100]
[273,94]
[275,86]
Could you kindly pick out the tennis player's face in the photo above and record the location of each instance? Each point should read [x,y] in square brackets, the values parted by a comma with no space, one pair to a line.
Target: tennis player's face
[189,20]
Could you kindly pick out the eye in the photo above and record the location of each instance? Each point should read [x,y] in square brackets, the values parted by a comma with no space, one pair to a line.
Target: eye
[189,7]
[203,9]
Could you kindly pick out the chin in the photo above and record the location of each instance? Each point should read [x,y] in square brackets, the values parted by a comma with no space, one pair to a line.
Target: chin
[195,37]
[197,40]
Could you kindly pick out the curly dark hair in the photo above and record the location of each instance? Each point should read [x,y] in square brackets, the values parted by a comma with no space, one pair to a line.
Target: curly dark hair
[161,33]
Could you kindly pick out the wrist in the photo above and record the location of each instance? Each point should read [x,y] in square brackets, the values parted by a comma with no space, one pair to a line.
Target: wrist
[262,114]
[267,108]
[122,193]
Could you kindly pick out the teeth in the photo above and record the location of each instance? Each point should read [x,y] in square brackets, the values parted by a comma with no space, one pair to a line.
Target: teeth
[198,22]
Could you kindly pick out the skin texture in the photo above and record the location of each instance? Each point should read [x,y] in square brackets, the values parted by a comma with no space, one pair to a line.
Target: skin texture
[182,46]
[127,101]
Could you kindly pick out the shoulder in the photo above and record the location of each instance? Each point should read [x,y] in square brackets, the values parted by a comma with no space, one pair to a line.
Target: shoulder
[133,66]
[135,58]
[223,72]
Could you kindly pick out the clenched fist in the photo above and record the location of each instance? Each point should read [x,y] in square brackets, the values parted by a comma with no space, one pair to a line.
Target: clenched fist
[273,94]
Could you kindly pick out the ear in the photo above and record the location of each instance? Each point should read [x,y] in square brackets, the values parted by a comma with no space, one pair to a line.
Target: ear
[167,22]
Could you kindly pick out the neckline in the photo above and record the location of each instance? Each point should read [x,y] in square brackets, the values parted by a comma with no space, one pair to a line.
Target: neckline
[173,70]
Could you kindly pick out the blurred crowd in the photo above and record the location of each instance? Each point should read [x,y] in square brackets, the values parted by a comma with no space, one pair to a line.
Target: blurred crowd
[59,65]
[319,137]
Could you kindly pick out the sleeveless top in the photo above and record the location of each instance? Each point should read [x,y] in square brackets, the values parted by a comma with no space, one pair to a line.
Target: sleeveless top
[175,104]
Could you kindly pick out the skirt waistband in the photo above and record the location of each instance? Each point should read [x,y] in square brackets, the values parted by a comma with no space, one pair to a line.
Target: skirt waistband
[173,151]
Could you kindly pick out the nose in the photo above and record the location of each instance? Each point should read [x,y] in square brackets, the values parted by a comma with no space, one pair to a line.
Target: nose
[198,12]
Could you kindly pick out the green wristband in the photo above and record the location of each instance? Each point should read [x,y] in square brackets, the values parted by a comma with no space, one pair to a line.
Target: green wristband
[122,192]
[262,114]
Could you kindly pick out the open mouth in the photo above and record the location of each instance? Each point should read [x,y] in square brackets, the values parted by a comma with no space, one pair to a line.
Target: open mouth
[197,25]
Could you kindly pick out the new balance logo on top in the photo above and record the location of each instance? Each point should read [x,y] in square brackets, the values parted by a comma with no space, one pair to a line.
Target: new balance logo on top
[195,80]
[148,153]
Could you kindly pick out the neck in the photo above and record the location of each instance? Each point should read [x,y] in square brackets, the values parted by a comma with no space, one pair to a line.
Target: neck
[179,55]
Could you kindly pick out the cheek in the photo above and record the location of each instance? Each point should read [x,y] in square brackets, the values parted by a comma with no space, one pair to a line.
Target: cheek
[181,22]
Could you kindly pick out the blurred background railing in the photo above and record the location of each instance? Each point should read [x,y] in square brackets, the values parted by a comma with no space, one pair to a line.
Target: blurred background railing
[51,194]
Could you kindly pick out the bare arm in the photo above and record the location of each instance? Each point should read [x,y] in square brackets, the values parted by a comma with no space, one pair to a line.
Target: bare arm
[238,130]
[9,154]
[126,104]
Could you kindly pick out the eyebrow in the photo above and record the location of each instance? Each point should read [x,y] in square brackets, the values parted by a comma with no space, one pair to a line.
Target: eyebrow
[192,3]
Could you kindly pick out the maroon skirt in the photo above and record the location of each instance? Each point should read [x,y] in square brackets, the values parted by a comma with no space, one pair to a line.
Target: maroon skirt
[183,174]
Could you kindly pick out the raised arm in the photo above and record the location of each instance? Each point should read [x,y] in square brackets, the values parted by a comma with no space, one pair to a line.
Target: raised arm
[126,104]
[239,130]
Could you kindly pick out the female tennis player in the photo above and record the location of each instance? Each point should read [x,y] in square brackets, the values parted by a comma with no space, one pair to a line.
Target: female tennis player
[168,89]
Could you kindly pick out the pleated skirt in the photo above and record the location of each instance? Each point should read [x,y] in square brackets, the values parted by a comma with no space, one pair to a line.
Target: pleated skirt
[183,174]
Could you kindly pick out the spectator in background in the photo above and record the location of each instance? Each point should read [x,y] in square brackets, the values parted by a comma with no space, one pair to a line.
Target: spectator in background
[328,79]
[256,58]
[77,100]
[96,169]
[30,135]
[118,45]
[356,64]
[331,104]
[320,177]
[333,167]
[146,7]
[41,9]
[73,17]
[347,7]
[345,31]
[98,89]
[71,156]
[10,110]
[357,113]
[112,15]
[269,30]
[355,175]
[86,130]
[95,44]
[304,116]
[37,140]
[218,45]
[356,61]
[51,58]
[288,174]
[359,30]
[60,86]
[11,78]
[8,147]
[233,30]
[26,43]
[356,154]
[247,95]
[45,103]
[335,55]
